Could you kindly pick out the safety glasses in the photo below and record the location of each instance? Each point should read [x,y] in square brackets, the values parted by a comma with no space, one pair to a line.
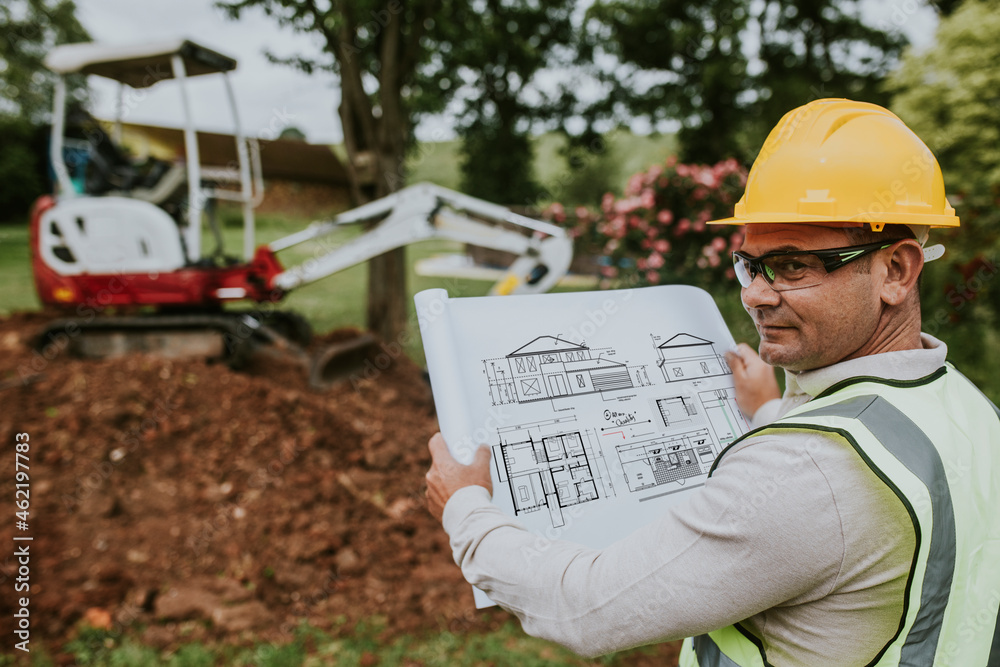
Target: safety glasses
[798,269]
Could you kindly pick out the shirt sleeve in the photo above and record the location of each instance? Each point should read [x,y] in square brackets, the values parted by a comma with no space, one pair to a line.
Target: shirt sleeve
[763,530]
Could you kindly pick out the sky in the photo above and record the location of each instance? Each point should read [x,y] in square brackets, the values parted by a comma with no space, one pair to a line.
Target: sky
[271,97]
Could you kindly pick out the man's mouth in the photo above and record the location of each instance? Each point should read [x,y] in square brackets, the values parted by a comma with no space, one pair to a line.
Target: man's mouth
[768,327]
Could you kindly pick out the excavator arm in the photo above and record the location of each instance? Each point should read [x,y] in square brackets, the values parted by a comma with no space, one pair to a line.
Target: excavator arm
[425,211]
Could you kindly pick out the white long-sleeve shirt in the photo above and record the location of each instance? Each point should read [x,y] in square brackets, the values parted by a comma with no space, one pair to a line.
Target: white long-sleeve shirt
[793,534]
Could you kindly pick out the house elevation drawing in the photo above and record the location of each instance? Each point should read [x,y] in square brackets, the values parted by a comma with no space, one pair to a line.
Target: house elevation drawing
[687,357]
[549,367]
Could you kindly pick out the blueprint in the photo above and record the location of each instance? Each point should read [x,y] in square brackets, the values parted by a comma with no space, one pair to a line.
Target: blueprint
[602,409]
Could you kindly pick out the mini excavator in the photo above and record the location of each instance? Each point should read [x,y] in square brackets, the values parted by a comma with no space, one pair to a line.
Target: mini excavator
[124,238]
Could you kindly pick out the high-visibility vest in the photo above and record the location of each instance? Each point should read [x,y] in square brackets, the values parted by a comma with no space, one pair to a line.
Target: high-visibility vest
[935,442]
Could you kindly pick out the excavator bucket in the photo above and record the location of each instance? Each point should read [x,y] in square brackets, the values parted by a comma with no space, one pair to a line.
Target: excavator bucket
[340,361]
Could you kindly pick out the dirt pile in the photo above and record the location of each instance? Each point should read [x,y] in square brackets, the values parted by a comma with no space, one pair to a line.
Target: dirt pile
[191,500]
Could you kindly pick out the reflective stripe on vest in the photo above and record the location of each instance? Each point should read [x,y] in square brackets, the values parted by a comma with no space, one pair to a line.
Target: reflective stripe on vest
[905,457]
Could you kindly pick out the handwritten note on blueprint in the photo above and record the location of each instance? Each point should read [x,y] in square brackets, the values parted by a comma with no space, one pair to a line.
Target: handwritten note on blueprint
[602,408]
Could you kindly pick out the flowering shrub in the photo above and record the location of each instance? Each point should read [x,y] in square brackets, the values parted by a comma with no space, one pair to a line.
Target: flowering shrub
[656,232]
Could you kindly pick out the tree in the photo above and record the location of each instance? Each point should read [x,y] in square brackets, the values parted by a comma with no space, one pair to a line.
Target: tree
[727,70]
[813,49]
[383,53]
[949,96]
[28,30]
[498,49]
[672,61]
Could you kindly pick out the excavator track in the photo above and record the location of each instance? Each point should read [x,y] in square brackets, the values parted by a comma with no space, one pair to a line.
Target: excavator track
[225,336]
[229,337]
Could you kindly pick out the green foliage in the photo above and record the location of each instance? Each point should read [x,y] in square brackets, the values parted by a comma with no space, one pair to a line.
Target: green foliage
[28,29]
[813,49]
[498,50]
[692,63]
[948,96]
[657,232]
[676,60]
[497,164]
[22,167]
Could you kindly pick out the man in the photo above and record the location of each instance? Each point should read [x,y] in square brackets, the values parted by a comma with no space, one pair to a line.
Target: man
[859,526]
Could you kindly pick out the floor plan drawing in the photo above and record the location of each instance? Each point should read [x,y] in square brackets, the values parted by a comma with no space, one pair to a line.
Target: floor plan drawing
[549,367]
[601,409]
[686,357]
[550,473]
[676,410]
[666,459]
[723,414]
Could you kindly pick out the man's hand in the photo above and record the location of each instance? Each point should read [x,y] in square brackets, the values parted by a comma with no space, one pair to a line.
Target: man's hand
[753,379]
[447,475]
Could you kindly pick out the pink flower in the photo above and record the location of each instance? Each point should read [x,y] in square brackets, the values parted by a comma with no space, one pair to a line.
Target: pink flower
[641,263]
[707,178]
[714,261]
[654,173]
[665,217]
[661,245]
[671,161]
[699,226]
[655,261]
[582,213]
[652,277]
[556,212]
[719,244]
[609,271]
[607,202]
[647,199]
[627,205]
[683,225]
[634,185]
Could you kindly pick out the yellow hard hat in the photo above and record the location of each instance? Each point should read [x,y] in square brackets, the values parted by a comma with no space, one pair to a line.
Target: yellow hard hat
[837,160]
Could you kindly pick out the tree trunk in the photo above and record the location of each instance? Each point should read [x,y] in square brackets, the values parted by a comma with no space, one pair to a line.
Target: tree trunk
[386,313]
[387,292]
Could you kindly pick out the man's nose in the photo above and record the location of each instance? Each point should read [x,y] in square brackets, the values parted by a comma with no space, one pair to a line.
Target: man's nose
[759,294]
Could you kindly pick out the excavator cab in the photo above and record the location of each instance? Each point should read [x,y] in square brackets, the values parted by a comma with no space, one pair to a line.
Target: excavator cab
[123,236]
[102,167]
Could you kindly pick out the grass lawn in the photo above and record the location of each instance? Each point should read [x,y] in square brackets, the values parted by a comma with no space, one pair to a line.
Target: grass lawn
[506,646]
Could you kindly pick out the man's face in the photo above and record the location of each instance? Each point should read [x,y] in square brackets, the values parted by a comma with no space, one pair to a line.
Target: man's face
[816,326]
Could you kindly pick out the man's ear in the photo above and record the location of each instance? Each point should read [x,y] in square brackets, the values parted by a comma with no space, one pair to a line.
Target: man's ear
[903,266]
